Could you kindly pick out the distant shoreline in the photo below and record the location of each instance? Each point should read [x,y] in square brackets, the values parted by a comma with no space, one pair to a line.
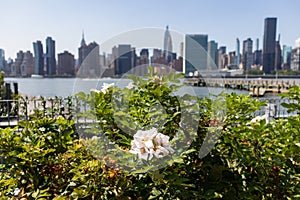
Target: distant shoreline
[220,76]
[42,77]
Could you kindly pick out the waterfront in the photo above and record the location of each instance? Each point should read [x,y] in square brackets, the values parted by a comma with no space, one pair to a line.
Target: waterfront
[63,87]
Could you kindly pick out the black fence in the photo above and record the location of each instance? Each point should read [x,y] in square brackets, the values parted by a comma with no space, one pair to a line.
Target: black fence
[274,109]
[13,111]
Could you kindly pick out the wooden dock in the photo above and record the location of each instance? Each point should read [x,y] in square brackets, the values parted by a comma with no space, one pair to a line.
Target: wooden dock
[255,86]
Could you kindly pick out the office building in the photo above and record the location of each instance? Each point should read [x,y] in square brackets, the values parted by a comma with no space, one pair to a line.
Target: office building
[232,58]
[195,53]
[144,57]
[2,60]
[38,58]
[286,57]
[295,57]
[212,52]
[238,55]
[123,60]
[16,66]
[27,65]
[142,63]
[66,64]
[178,64]
[157,54]
[247,58]
[222,58]
[269,45]
[88,59]
[84,49]
[257,58]
[278,58]
[50,57]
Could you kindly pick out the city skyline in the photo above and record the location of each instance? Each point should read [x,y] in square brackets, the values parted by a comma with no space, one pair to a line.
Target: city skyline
[65,20]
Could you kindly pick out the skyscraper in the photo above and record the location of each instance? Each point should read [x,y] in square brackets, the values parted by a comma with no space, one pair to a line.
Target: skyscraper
[222,57]
[286,55]
[27,65]
[82,50]
[50,57]
[257,55]
[232,58]
[247,54]
[295,56]
[257,58]
[66,64]
[88,59]
[238,55]
[295,59]
[2,60]
[195,53]
[212,50]
[16,66]
[278,59]
[122,58]
[38,58]
[168,47]
[269,45]
[142,63]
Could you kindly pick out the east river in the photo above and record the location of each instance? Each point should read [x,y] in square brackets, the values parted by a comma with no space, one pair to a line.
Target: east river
[63,87]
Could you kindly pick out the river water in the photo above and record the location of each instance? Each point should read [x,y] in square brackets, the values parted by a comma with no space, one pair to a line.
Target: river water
[63,87]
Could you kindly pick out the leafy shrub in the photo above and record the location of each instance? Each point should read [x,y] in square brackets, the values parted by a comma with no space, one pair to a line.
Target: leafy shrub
[45,159]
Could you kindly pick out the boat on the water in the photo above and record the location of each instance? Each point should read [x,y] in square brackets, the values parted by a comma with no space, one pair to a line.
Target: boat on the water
[37,76]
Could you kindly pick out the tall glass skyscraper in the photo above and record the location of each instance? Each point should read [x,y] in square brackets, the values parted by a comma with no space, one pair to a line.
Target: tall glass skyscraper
[2,60]
[247,54]
[38,58]
[286,55]
[195,53]
[238,56]
[123,58]
[212,50]
[269,45]
[50,57]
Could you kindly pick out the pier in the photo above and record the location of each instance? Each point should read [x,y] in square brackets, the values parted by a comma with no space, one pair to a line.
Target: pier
[255,86]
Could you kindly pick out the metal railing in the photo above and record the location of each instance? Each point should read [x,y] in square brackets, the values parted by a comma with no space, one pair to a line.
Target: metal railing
[274,107]
[13,111]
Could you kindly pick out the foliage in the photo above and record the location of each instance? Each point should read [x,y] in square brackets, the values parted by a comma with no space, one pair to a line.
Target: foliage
[44,159]
[288,72]
[293,95]
[2,86]
[254,72]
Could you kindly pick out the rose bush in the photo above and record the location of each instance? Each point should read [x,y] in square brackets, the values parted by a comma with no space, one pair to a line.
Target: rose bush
[43,158]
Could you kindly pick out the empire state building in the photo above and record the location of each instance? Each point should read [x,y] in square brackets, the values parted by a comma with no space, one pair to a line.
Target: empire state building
[168,48]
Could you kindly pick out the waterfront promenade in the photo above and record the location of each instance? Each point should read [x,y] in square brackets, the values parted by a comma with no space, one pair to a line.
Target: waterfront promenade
[273,85]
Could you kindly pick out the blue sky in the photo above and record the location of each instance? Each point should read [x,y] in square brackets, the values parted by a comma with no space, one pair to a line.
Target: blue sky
[23,22]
